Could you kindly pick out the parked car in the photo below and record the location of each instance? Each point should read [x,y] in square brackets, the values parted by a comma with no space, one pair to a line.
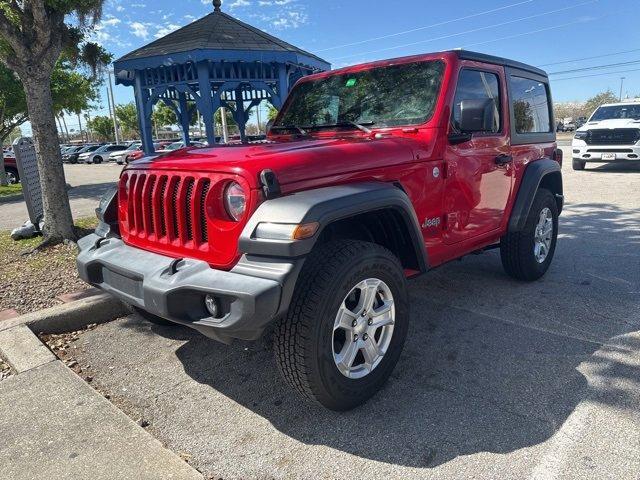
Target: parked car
[119,156]
[74,157]
[374,174]
[101,154]
[178,145]
[612,134]
[11,168]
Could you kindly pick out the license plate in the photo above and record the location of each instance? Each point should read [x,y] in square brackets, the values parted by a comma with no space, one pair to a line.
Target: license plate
[608,156]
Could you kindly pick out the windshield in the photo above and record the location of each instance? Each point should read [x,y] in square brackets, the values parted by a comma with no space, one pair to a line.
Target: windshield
[102,149]
[133,146]
[616,112]
[386,96]
[175,146]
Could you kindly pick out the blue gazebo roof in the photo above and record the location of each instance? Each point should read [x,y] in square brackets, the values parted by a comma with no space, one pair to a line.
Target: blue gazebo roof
[215,62]
[217,37]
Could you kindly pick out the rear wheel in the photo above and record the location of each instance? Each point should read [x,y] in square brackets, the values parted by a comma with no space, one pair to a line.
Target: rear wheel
[12,175]
[346,325]
[97,159]
[526,255]
[578,164]
[150,317]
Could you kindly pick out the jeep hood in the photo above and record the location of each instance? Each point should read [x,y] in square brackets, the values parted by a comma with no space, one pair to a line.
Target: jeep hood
[290,161]
[612,123]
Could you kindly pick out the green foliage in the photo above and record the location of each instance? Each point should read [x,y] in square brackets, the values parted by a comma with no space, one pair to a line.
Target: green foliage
[272,113]
[102,128]
[13,106]
[597,100]
[163,115]
[127,116]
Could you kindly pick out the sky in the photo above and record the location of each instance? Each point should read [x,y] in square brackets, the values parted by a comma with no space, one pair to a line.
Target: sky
[595,41]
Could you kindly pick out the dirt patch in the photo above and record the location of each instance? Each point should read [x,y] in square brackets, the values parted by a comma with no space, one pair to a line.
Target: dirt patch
[33,281]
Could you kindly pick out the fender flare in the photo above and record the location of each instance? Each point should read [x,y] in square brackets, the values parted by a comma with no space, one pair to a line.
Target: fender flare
[327,205]
[532,178]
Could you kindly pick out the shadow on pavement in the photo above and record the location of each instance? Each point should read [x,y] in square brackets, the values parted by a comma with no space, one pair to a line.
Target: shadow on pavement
[469,380]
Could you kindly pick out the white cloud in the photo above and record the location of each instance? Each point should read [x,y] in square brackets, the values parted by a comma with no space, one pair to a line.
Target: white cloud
[109,22]
[166,29]
[239,3]
[140,30]
[291,19]
[269,3]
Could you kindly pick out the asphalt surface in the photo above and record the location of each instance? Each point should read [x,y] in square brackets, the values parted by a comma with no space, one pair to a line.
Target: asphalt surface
[88,184]
[498,379]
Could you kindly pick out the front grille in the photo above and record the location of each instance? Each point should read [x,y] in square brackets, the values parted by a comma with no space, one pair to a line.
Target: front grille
[617,136]
[167,208]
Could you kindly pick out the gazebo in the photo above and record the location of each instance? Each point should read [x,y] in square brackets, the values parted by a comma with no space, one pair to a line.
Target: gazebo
[216,61]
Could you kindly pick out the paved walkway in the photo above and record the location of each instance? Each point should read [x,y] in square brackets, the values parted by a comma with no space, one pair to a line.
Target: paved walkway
[55,426]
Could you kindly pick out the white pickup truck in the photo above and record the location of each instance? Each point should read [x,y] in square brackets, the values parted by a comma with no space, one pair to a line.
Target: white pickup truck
[611,134]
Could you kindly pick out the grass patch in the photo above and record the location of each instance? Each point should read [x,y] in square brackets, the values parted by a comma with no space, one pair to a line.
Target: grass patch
[32,281]
[11,190]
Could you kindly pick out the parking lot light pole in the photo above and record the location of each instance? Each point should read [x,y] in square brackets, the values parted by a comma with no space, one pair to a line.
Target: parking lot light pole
[621,84]
[113,108]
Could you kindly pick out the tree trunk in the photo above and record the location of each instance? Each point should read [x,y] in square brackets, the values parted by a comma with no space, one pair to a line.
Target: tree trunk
[58,221]
[3,175]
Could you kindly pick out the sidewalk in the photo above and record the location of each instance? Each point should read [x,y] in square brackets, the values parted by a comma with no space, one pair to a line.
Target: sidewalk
[55,426]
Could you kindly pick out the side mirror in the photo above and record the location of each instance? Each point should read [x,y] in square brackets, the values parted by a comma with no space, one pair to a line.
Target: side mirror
[268,126]
[477,115]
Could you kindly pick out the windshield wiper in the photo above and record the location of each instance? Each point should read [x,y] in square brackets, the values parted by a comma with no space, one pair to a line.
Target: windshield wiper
[300,130]
[346,123]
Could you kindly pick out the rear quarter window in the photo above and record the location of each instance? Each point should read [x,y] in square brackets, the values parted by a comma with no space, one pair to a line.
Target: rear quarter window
[530,105]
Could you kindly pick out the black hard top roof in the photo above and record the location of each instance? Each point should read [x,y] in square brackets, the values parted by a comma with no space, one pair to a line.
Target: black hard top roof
[483,57]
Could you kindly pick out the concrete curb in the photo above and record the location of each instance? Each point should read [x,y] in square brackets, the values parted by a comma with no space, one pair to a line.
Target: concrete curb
[71,316]
[22,350]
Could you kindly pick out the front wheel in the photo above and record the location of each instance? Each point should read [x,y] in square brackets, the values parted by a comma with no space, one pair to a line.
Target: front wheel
[346,324]
[527,255]
[578,164]
[97,159]
[12,176]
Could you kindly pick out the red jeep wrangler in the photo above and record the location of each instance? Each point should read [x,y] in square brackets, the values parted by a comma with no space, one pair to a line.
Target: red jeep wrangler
[373,174]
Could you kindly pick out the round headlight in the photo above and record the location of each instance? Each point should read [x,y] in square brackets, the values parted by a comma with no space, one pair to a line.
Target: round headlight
[235,201]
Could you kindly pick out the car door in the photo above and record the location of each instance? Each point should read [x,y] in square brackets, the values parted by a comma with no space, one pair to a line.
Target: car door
[479,170]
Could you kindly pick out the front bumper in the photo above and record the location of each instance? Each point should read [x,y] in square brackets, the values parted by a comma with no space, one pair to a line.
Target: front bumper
[604,153]
[251,295]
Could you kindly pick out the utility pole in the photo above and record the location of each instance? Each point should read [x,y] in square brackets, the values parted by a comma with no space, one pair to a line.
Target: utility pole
[112,107]
[622,79]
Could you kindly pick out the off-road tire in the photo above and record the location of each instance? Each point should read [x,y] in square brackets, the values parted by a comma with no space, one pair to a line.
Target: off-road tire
[517,248]
[14,172]
[150,317]
[303,338]
[578,164]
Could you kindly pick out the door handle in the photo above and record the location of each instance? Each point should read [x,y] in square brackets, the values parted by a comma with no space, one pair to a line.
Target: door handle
[503,159]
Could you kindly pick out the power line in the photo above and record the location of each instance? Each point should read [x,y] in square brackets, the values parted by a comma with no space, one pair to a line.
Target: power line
[589,58]
[596,67]
[596,75]
[479,29]
[539,30]
[417,29]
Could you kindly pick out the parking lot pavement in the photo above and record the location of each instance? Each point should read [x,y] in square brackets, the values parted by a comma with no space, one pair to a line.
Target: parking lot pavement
[498,379]
[88,184]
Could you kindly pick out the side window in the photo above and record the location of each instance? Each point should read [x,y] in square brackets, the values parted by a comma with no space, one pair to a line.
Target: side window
[477,85]
[530,105]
